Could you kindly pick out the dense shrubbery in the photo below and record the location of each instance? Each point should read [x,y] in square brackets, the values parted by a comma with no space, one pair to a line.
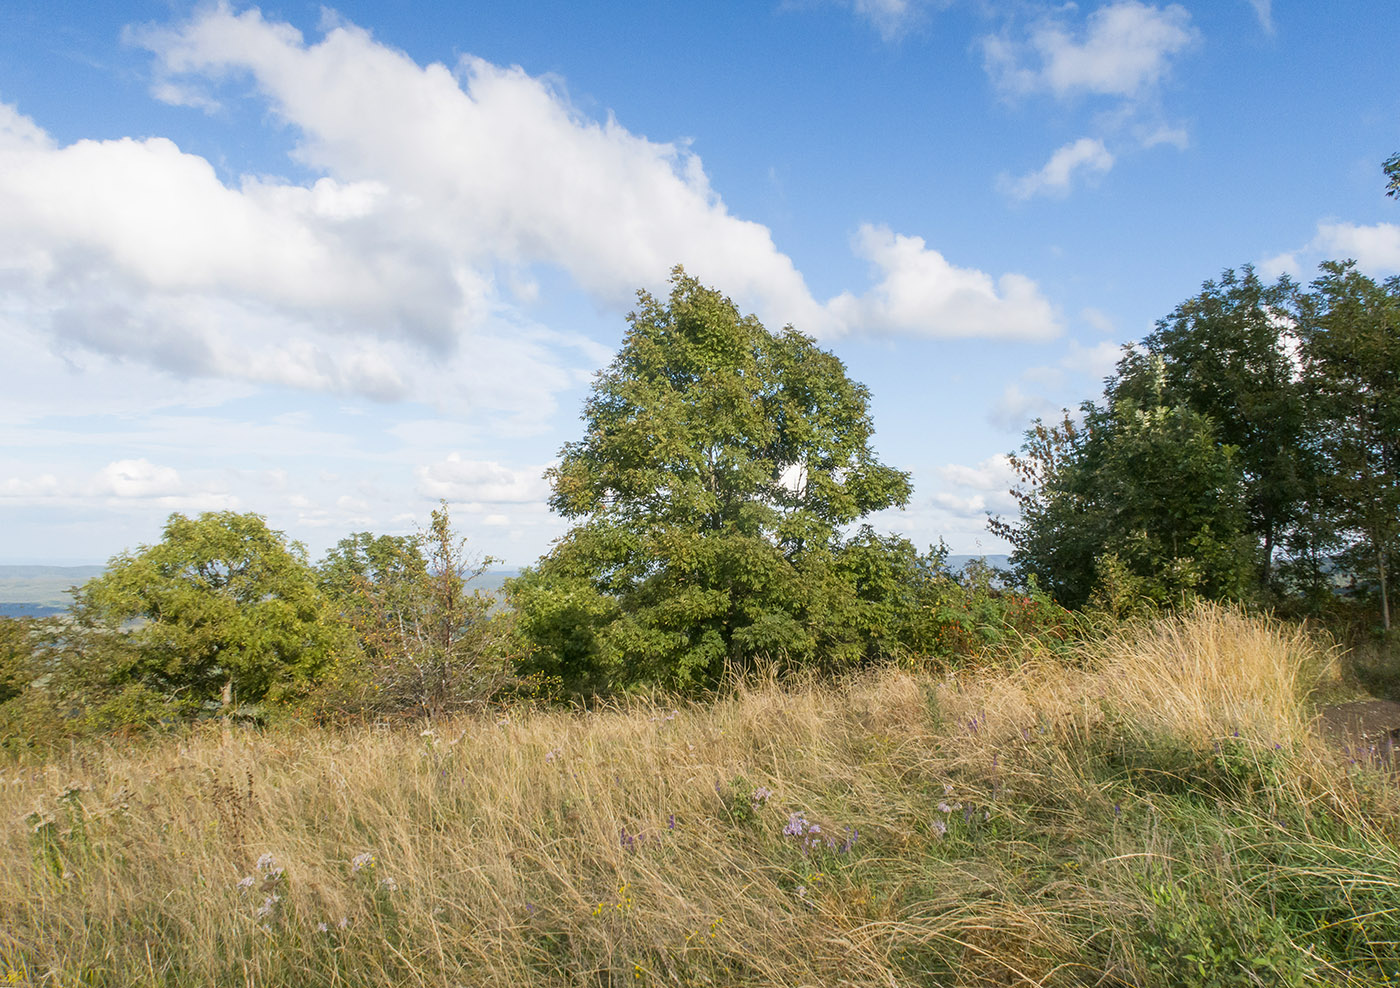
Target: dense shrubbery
[224,617]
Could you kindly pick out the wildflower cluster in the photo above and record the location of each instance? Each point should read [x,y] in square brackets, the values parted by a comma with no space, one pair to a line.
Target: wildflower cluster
[949,811]
[810,836]
[622,904]
[365,864]
[267,879]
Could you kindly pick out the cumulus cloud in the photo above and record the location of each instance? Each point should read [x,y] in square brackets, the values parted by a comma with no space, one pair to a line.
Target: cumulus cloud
[137,478]
[1087,154]
[402,269]
[1124,49]
[920,292]
[993,474]
[1375,248]
[482,482]
[1280,264]
[130,480]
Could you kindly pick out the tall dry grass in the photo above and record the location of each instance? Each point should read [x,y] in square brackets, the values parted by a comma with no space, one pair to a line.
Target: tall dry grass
[983,831]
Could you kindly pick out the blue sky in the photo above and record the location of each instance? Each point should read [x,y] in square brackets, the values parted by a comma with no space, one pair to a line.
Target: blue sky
[332,265]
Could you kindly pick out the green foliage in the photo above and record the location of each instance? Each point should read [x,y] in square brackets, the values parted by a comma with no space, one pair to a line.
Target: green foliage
[1350,328]
[1144,496]
[17,666]
[1266,420]
[718,465]
[222,610]
[29,718]
[426,641]
[1392,173]
[1227,353]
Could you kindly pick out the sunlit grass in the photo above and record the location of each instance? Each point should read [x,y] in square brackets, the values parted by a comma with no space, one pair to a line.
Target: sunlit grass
[1155,811]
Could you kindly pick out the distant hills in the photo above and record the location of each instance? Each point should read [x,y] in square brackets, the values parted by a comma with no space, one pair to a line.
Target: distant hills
[38,591]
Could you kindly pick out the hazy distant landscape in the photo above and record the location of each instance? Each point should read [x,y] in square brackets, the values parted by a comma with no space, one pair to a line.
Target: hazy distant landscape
[38,591]
[41,591]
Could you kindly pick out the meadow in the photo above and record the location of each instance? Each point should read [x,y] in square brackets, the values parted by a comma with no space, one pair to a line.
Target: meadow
[1154,807]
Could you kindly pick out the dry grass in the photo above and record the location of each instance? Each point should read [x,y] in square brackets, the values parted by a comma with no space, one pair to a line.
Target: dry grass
[626,845]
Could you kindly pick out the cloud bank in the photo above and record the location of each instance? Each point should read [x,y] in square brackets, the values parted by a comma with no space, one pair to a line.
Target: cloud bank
[405,265]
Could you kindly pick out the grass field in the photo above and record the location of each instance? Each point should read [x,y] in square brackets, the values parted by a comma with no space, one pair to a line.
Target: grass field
[1155,810]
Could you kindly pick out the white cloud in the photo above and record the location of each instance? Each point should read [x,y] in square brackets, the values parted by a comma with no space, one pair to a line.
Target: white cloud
[1084,155]
[401,271]
[920,292]
[138,478]
[1375,248]
[134,482]
[1015,409]
[1263,9]
[1280,264]
[993,474]
[892,18]
[1099,319]
[1097,361]
[1124,49]
[482,481]
[1161,133]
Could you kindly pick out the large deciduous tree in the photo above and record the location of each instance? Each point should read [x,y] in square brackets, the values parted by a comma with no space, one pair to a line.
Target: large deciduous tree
[1350,326]
[718,466]
[1229,353]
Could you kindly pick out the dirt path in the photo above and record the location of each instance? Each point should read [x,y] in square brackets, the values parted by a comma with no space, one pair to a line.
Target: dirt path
[1369,730]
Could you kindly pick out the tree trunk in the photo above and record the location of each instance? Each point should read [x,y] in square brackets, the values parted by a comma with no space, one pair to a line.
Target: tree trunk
[1385,598]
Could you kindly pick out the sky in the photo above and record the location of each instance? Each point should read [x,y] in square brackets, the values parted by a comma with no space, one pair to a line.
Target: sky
[334,264]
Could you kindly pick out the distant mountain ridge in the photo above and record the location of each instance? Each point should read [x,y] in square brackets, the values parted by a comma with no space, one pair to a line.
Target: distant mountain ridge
[38,591]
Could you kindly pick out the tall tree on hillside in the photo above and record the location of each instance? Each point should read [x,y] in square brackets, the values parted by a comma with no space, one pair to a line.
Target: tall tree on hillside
[1350,327]
[1229,353]
[718,465]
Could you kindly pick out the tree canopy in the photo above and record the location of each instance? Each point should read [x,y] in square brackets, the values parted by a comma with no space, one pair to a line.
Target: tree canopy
[1255,421]
[718,466]
[221,602]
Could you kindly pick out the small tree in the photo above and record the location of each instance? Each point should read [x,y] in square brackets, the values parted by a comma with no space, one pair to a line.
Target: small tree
[223,609]
[718,465]
[427,642]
